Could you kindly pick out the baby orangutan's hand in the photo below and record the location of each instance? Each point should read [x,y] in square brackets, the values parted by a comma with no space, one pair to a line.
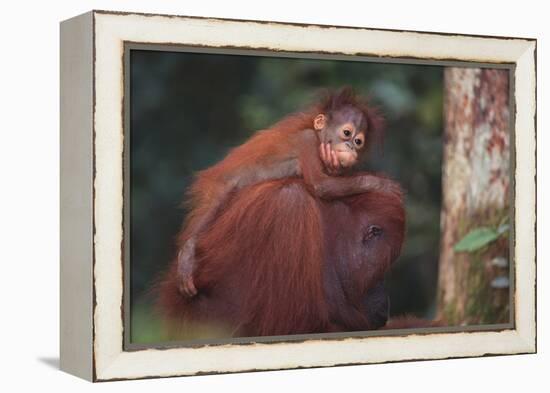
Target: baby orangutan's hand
[330,159]
[186,266]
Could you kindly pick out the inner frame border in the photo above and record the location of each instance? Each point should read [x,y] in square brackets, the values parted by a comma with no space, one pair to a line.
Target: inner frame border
[262,52]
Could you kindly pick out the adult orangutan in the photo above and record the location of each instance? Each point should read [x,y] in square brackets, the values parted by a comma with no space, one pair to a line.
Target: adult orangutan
[277,260]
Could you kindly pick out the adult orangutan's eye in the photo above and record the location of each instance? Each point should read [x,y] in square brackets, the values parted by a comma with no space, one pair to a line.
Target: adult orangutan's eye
[372,232]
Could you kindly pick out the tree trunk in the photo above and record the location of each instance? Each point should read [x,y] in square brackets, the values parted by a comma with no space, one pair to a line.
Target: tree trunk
[473,284]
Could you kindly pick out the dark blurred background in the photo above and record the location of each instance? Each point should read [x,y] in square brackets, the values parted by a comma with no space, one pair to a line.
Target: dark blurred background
[187,110]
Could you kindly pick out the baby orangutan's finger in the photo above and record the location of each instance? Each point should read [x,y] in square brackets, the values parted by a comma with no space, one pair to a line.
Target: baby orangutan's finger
[327,160]
[335,161]
[187,287]
[331,157]
[322,153]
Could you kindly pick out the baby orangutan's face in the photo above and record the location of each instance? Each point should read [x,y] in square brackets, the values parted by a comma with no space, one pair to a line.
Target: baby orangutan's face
[344,132]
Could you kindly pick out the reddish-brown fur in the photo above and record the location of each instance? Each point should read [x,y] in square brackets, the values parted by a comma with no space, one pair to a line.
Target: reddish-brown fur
[268,147]
[278,261]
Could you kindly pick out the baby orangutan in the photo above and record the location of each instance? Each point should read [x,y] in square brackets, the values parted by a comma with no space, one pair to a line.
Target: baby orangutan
[321,145]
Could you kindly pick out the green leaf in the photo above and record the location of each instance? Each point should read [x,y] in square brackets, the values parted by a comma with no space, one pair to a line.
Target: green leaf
[476,239]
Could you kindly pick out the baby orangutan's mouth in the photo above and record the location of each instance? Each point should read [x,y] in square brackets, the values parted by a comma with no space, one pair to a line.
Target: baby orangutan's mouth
[346,157]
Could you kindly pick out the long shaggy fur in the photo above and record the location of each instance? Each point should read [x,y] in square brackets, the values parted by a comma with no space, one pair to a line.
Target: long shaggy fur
[263,266]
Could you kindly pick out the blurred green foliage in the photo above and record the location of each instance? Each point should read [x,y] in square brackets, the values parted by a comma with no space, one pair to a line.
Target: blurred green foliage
[187,110]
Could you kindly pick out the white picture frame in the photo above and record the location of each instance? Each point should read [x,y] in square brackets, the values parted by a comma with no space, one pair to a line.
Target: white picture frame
[92,194]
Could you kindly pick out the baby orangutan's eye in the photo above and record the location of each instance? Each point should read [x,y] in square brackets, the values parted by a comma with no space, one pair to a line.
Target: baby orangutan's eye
[347,132]
[358,142]
[372,232]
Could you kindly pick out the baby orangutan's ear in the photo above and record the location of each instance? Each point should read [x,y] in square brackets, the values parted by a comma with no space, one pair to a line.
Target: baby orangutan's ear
[319,122]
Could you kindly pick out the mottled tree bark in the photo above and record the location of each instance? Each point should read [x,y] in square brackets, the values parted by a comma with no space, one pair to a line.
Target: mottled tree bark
[476,182]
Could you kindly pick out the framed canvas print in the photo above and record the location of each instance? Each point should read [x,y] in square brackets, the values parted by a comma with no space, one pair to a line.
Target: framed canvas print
[245,195]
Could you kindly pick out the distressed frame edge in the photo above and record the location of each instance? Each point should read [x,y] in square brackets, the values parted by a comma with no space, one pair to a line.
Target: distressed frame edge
[304,24]
[525,202]
[76,196]
[527,340]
